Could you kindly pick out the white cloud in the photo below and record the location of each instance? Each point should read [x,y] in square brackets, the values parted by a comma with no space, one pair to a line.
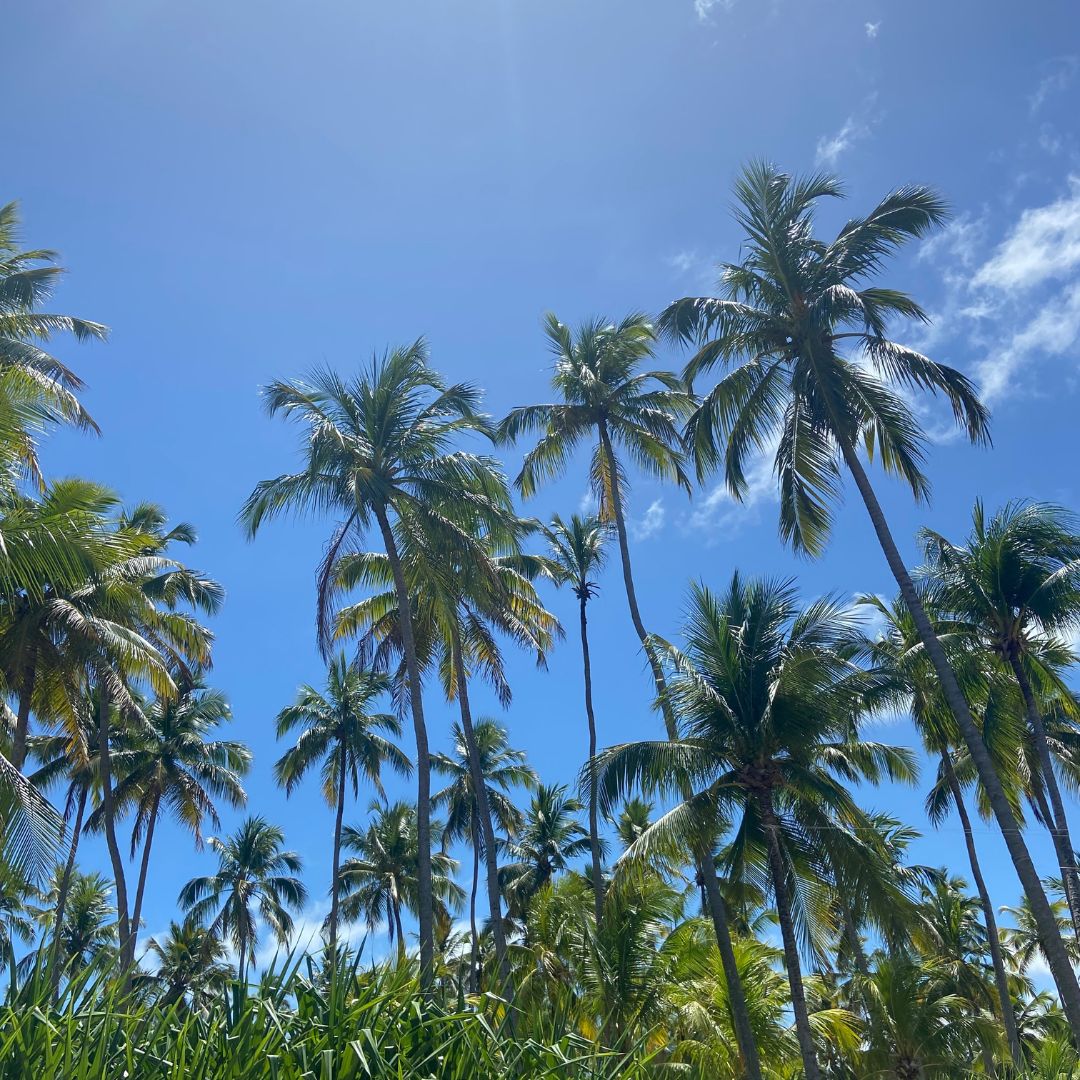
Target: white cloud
[650,523]
[307,936]
[587,503]
[682,261]
[855,128]
[720,515]
[958,241]
[872,29]
[705,8]
[1058,79]
[701,268]
[1044,244]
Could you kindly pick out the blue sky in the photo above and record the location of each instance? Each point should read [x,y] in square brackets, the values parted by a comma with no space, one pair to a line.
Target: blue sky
[245,190]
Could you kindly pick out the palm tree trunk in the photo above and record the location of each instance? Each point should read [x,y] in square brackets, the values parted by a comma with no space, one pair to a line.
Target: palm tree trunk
[628,581]
[1050,938]
[594,830]
[1058,823]
[855,944]
[1008,1013]
[335,869]
[425,899]
[109,813]
[136,913]
[474,952]
[483,812]
[22,719]
[787,930]
[740,1013]
[65,887]
[400,935]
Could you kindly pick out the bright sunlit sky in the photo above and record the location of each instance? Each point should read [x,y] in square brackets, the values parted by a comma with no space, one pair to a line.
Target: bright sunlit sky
[244,190]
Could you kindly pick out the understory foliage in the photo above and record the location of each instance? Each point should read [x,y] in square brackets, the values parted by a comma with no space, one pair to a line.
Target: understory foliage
[721,900]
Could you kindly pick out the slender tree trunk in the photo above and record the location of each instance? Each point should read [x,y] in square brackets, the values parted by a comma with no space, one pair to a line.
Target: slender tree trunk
[483,812]
[1008,1013]
[1058,823]
[335,869]
[400,935]
[136,914]
[858,953]
[787,930]
[594,829]
[1050,938]
[425,899]
[740,1013]
[109,813]
[474,952]
[628,581]
[65,887]
[22,719]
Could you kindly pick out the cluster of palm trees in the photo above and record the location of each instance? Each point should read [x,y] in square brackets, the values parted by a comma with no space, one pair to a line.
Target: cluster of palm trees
[717,895]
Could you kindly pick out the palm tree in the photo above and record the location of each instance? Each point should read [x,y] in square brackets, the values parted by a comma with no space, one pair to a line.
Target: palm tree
[897,654]
[340,730]
[253,873]
[796,317]
[503,769]
[168,760]
[380,451]
[89,926]
[768,700]
[604,395]
[16,921]
[576,549]
[1022,941]
[191,965]
[36,389]
[1014,586]
[382,879]
[550,837]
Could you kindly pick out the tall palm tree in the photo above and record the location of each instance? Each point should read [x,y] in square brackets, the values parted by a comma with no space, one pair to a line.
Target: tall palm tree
[381,880]
[89,927]
[340,731]
[191,966]
[577,550]
[1014,585]
[796,317]
[462,603]
[604,395]
[504,769]
[253,874]
[380,451]
[550,837]
[897,654]
[168,760]
[768,700]
[36,389]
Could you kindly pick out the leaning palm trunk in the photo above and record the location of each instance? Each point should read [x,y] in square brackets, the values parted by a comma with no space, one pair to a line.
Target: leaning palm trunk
[787,930]
[136,914]
[483,812]
[108,806]
[594,830]
[474,945]
[1057,822]
[740,1013]
[425,899]
[335,870]
[1049,935]
[1008,1014]
[65,888]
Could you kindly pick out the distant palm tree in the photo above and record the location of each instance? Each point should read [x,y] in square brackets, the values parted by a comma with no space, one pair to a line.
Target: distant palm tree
[168,761]
[16,918]
[36,389]
[576,549]
[634,818]
[191,965]
[607,397]
[340,731]
[380,451]
[1023,944]
[89,927]
[381,880]
[796,318]
[503,770]
[550,837]
[1014,588]
[254,875]
[769,700]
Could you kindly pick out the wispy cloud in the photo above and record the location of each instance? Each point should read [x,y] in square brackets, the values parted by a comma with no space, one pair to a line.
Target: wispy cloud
[705,8]
[689,264]
[1058,79]
[872,29]
[307,936]
[719,515]
[650,523]
[855,128]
